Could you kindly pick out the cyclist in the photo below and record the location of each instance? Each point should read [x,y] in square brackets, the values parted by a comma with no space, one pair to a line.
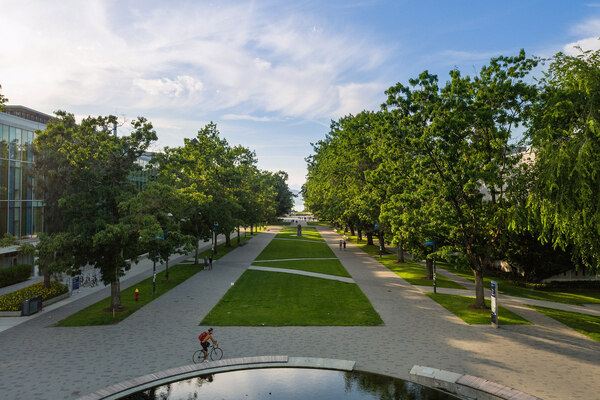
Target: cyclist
[204,337]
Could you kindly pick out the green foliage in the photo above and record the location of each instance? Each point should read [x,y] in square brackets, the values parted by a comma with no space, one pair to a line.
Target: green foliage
[462,308]
[565,136]
[292,300]
[291,232]
[15,274]
[100,312]
[588,325]
[8,240]
[14,301]
[2,99]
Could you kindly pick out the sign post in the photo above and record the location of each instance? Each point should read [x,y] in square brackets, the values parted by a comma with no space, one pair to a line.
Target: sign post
[494,304]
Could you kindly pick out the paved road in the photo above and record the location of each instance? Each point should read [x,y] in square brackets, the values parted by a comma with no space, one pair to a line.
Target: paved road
[43,362]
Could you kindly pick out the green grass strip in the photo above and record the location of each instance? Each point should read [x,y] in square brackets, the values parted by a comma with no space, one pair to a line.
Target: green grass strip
[461,307]
[278,299]
[96,314]
[329,267]
[575,296]
[282,249]
[307,234]
[416,274]
[589,325]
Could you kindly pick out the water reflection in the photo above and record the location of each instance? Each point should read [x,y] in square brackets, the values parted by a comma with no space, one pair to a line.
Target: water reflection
[291,384]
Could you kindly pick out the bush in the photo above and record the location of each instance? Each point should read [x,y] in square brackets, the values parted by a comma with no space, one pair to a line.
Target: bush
[16,274]
[13,301]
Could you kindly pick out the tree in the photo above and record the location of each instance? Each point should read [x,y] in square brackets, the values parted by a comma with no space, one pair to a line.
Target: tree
[96,182]
[565,138]
[2,99]
[460,136]
[284,199]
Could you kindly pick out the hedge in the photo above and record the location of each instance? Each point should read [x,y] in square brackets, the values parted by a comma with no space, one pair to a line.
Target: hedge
[13,301]
[11,275]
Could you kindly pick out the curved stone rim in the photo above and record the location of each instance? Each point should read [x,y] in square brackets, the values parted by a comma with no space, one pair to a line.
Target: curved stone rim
[125,388]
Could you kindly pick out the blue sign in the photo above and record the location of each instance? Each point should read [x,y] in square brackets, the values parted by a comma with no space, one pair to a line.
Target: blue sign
[428,243]
[75,285]
[494,304]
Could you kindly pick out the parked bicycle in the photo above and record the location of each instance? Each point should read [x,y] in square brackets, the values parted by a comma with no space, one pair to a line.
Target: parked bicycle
[214,353]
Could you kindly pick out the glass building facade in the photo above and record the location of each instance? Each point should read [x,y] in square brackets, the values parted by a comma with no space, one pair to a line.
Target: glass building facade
[21,208]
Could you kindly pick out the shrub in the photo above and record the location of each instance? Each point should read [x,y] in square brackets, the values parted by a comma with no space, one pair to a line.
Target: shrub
[15,274]
[13,301]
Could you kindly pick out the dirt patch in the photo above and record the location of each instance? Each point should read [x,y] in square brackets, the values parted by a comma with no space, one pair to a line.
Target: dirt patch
[118,310]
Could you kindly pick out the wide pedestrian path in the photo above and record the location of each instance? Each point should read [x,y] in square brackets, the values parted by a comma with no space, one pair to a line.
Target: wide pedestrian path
[546,359]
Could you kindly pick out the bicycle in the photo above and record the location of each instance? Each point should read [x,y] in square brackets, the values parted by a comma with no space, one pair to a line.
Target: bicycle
[214,353]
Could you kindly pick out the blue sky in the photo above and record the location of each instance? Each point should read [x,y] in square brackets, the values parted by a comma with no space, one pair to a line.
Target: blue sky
[271,74]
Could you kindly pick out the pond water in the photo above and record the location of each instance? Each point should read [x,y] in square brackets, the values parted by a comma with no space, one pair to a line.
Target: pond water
[291,384]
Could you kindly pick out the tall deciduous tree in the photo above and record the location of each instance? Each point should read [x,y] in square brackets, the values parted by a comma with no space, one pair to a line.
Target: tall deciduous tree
[565,137]
[96,184]
[461,136]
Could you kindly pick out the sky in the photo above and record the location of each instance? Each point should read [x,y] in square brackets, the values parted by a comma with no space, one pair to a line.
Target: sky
[271,74]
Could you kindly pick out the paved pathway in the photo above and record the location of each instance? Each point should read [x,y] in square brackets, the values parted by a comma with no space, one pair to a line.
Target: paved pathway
[305,273]
[548,360]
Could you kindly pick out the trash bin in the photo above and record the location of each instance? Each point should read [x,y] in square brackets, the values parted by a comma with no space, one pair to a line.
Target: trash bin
[25,310]
[32,305]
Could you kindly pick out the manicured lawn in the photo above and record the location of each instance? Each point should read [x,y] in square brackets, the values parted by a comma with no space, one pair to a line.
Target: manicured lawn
[319,223]
[95,314]
[278,299]
[459,306]
[307,234]
[282,249]
[588,325]
[329,267]
[416,274]
[574,296]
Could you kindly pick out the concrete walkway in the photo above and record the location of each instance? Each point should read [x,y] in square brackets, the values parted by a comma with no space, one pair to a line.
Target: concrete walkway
[547,359]
[305,273]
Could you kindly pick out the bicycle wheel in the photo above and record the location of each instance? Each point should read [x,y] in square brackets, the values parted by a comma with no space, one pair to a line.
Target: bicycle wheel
[198,356]
[216,354]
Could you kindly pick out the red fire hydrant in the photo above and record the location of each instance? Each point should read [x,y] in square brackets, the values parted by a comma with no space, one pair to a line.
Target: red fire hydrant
[137,294]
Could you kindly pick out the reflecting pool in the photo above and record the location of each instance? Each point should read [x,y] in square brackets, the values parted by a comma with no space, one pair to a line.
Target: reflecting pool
[291,384]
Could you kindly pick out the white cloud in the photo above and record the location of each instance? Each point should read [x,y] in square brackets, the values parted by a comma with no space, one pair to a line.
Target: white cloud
[590,30]
[240,117]
[207,58]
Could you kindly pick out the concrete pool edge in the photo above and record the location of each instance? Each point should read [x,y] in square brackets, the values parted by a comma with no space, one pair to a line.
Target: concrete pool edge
[466,386]
[125,388]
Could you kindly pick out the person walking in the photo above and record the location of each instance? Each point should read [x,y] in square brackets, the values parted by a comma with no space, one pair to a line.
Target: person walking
[344,245]
[341,243]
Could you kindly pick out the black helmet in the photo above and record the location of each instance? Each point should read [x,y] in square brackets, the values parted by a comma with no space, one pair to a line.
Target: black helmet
[210,329]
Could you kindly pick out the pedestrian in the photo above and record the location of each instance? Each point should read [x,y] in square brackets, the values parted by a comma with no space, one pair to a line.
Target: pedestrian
[341,243]
[344,245]
[205,262]
[210,262]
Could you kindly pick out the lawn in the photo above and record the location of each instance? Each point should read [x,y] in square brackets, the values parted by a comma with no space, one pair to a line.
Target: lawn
[318,223]
[282,249]
[507,287]
[416,274]
[459,306]
[307,234]
[329,267]
[588,325]
[96,314]
[292,300]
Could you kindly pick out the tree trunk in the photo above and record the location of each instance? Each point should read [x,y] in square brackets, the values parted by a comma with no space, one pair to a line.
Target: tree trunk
[370,239]
[400,252]
[429,267]
[381,242]
[196,255]
[359,237]
[251,233]
[239,240]
[115,294]
[479,296]
[167,270]
[351,230]
[227,240]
